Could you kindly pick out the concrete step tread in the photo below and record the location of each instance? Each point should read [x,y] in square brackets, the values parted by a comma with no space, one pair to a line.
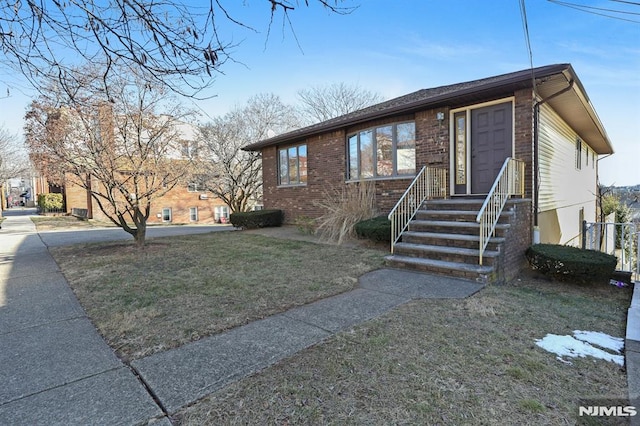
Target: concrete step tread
[458,237]
[454,224]
[441,264]
[446,249]
[458,212]
[457,200]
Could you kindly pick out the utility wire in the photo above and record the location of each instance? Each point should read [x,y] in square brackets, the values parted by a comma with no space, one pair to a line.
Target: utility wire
[592,10]
[525,27]
[635,3]
[584,6]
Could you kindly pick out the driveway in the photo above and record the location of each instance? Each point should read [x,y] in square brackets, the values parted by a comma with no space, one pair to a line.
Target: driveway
[65,237]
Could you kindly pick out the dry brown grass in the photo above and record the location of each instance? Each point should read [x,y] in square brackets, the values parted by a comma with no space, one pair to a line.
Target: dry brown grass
[344,208]
[439,362]
[45,223]
[180,289]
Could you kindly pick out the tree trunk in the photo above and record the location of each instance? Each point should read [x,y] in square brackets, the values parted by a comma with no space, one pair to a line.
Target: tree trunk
[140,236]
[141,228]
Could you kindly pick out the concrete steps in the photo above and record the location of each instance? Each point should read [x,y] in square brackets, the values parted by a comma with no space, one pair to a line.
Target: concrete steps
[441,267]
[443,238]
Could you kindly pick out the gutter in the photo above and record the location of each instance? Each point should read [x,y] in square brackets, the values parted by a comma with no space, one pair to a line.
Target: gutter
[536,168]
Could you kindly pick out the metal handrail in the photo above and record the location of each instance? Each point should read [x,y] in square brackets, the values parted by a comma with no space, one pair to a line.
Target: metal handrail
[428,183]
[510,181]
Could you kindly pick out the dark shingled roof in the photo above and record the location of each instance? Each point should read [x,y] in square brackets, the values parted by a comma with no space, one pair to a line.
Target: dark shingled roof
[438,96]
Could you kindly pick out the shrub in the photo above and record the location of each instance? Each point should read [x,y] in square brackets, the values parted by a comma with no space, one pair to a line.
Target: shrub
[50,201]
[305,224]
[344,207]
[567,263]
[375,229]
[257,219]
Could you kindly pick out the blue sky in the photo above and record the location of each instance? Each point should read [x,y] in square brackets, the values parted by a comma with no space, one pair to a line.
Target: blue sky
[396,47]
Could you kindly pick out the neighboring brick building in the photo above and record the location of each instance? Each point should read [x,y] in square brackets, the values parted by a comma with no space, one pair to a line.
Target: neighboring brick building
[183,204]
[467,129]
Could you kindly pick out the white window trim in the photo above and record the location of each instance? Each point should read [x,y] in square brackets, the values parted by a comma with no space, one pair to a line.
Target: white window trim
[193,209]
[170,215]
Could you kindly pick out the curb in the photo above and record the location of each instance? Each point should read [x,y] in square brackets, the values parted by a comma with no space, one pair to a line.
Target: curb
[632,351]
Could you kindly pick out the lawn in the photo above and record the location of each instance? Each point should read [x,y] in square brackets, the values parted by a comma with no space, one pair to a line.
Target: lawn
[463,362]
[446,362]
[180,289]
[44,223]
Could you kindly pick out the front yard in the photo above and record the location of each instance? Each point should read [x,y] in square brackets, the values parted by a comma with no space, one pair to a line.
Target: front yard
[472,361]
[180,289]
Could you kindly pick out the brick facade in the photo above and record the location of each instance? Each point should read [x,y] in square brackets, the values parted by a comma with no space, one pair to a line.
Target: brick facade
[517,239]
[327,159]
[179,200]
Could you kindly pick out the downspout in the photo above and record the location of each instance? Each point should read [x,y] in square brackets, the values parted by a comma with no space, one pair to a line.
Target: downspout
[536,168]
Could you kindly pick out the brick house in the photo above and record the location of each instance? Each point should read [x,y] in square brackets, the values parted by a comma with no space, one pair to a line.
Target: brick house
[540,117]
[187,202]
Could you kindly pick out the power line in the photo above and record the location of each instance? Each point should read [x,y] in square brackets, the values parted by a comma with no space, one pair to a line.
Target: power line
[593,10]
[635,3]
[584,6]
[525,27]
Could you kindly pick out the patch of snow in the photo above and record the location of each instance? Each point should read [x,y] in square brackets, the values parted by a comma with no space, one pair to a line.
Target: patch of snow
[580,346]
[600,339]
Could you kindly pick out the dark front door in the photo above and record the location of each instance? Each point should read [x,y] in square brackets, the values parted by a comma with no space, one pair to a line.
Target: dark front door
[491,141]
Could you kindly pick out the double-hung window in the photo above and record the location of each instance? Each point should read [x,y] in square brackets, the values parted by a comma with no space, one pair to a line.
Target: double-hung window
[385,151]
[166,214]
[292,165]
[197,185]
[221,214]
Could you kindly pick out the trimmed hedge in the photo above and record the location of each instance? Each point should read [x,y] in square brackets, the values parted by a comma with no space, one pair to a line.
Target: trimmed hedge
[566,263]
[257,219]
[50,201]
[375,229]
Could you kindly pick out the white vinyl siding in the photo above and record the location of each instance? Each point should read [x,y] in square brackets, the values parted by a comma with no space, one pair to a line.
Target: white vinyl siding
[564,188]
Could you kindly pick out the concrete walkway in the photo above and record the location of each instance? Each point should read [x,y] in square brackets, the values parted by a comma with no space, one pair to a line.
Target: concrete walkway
[56,369]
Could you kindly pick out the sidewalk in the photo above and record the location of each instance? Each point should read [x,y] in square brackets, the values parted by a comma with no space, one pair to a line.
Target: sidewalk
[56,369]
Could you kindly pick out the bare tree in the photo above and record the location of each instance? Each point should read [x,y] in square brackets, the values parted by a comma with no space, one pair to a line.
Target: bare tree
[14,161]
[173,42]
[234,175]
[322,103]
[125,150]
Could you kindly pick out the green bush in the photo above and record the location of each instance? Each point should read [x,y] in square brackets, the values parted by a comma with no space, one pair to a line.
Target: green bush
[50,201]
[566,263]
[257,219]
[376,229]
